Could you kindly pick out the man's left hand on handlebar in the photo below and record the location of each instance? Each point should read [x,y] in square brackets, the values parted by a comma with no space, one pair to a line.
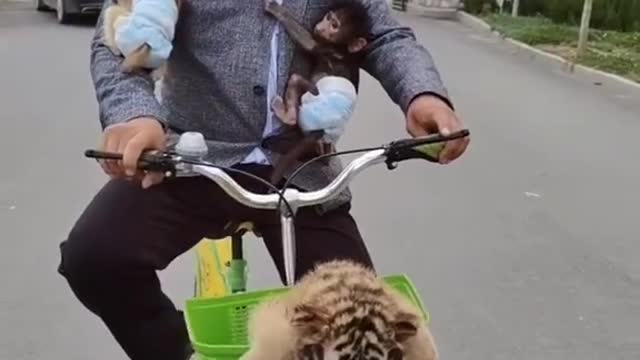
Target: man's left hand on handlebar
[428,114]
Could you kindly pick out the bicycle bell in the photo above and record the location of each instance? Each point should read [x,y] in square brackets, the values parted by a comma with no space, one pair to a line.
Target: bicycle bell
[192,145]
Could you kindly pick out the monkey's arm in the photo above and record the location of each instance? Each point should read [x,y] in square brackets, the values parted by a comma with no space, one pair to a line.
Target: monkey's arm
[297,32]
[121,96]
[394,57]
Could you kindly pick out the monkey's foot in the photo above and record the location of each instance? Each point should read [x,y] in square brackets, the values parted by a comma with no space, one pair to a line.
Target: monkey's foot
[324,148]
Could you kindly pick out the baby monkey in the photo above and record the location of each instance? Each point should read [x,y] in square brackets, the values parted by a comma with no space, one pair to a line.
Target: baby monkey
[334,48]
[149,13]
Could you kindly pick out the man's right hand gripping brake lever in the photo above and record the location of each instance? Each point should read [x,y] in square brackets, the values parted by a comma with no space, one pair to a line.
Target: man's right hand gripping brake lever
[131,138]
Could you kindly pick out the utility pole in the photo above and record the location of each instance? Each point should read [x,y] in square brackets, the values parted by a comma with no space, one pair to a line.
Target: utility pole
[514,9]
[584,27]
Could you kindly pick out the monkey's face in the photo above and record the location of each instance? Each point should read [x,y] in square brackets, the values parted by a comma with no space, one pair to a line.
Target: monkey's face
[330,28]
[335,28]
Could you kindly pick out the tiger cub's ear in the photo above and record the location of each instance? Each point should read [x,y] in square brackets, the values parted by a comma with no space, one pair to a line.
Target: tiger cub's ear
[405,326]
[310,321]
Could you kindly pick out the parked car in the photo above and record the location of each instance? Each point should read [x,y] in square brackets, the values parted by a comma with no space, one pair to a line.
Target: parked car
[67,10]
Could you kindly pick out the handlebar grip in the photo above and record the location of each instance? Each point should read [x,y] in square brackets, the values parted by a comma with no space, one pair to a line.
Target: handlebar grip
[425,147]
[149,161]
[102,155]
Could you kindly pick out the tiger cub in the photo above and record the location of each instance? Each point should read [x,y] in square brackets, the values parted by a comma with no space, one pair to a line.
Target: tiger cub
[339,311]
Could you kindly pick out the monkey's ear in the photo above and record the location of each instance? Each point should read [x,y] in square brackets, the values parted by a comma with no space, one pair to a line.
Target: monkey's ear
[357,44]
[405,326]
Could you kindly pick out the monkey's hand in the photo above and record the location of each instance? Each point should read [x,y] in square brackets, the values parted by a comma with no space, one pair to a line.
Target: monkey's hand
[280,110]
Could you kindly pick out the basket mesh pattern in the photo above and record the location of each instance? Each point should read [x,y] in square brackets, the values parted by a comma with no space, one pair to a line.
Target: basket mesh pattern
[239,317]
[218,326]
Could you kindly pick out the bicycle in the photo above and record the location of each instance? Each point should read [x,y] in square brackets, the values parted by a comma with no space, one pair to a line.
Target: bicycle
[221,276]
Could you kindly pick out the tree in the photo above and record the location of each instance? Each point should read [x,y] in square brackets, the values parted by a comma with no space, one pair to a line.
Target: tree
[584,27]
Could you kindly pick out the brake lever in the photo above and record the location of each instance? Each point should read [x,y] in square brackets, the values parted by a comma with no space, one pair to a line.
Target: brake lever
[158,161]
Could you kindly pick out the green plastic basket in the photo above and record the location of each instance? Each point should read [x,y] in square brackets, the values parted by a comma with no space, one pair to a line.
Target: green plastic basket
[218,326]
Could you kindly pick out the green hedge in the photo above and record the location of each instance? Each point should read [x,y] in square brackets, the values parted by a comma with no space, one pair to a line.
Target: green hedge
[620,15]
[478,6]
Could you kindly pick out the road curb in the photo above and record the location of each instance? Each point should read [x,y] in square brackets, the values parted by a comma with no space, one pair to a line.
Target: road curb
[433,13]
[550,59]
[473,21]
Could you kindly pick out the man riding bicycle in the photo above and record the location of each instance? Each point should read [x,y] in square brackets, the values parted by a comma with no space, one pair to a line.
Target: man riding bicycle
[221,76]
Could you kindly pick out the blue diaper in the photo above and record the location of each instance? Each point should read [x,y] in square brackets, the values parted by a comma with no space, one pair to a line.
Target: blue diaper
[151,22]
[330,110]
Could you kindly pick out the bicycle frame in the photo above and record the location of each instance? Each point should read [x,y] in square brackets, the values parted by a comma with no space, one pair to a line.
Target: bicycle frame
[221,269]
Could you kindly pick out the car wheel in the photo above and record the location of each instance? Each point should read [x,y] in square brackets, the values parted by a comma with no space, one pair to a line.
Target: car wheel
[63,16]
[41,6]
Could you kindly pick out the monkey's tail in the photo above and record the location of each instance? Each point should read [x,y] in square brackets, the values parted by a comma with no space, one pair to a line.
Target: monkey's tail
[305,145]
[136,59]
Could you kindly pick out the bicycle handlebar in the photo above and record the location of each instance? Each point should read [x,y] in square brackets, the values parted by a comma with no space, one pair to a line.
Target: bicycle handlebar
[188,162]
[394,152]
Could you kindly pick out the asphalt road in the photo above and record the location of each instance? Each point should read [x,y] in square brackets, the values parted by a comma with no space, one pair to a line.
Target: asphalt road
[527,248]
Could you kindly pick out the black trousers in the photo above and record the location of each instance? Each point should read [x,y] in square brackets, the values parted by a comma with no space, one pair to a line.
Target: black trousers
[126,234]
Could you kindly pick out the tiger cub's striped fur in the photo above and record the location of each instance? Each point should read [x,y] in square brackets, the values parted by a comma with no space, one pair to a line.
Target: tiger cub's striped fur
[339,311]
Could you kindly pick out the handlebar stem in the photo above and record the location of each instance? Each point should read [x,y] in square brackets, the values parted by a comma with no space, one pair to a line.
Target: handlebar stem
[294,198]
[288,246]
[261,201]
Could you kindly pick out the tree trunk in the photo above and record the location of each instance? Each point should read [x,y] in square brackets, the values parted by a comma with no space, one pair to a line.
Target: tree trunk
[584,27]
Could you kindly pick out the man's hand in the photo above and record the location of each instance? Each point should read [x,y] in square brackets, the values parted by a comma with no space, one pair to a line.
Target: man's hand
[428,114]
[131,139]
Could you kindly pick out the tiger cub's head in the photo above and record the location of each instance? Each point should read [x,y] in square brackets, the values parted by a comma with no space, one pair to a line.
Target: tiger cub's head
[362,334]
